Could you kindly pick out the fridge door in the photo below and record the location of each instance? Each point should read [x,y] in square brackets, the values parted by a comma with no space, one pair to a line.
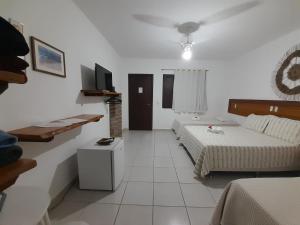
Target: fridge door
[95,172]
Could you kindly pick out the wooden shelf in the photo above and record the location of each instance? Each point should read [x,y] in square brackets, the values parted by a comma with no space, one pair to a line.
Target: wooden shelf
[46,134]
[100,93]
[10,173]
[11,77]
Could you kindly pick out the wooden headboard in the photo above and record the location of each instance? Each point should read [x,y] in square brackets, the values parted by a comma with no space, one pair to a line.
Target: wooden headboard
[244,107]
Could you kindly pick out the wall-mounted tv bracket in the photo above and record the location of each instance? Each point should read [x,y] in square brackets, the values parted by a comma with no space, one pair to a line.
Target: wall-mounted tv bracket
[113,100]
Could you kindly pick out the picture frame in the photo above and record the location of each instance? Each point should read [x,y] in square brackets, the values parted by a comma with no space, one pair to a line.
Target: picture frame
[47,59]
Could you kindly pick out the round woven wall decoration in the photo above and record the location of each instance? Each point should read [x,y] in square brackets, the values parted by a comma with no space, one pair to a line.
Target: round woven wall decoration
[286,76]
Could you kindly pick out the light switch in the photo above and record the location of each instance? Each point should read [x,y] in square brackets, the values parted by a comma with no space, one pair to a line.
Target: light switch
[276,109]
[140,90]
[271,108]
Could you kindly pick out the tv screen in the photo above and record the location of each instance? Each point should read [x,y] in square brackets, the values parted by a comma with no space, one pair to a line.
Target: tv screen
[103,78]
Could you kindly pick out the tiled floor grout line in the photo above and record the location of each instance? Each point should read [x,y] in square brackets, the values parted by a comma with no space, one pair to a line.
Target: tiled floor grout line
[168,206]
[181,190]
[144,182]
[212,196]
[160,141]
[115,220]
[209,191]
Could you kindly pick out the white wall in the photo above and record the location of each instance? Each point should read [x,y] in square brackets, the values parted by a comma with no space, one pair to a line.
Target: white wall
[46,97]
[249,76]
[163,118]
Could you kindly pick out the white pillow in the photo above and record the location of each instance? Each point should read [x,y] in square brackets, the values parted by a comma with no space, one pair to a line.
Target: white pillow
[256,122]
[285,129]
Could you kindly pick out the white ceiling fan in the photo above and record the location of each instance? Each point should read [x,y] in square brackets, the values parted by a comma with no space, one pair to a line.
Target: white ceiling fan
[187,28]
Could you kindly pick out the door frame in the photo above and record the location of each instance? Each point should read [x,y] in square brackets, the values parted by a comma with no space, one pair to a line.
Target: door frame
[129,104]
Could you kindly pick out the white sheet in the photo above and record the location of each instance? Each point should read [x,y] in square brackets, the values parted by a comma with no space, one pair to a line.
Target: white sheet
[238,149]
[179,123]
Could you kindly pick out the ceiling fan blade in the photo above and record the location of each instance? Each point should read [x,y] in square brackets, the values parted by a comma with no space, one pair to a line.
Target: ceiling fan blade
[230,12]
[155,20]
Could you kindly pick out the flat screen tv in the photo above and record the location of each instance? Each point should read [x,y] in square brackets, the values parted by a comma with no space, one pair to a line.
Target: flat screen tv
[103,78]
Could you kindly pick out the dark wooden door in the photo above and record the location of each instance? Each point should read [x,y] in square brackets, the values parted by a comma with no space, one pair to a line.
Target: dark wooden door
[140,91]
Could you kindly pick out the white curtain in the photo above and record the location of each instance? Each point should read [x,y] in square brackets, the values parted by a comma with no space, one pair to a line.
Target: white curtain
[190,91]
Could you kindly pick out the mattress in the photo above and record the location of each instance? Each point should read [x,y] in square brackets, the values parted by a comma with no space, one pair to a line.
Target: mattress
[238,149]
[267,201]
[179,123]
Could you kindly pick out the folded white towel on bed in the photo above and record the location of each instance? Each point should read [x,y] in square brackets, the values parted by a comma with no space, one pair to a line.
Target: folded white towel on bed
[196,118]
[215,129]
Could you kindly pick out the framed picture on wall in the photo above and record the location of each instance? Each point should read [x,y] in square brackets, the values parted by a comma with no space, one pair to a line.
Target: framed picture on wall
[47,59]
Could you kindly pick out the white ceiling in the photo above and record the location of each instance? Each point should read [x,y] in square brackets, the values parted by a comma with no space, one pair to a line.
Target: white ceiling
[227,39]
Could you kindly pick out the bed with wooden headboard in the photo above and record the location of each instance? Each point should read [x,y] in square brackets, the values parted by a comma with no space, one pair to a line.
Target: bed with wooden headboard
[245,107]
[250,147]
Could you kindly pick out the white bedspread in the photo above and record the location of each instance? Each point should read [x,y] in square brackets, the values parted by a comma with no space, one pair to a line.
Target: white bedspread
[238,149]
[259,201]
[179,123]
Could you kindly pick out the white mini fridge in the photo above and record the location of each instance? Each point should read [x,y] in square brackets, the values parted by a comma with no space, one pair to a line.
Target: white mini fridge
[101,167]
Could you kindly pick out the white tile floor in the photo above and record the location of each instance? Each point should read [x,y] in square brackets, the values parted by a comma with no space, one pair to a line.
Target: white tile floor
[159,188]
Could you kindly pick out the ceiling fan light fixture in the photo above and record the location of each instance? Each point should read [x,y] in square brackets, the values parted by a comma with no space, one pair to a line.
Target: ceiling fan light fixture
[187,53]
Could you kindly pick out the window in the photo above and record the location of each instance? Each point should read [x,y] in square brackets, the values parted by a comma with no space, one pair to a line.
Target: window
[190,91]
[167,95]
